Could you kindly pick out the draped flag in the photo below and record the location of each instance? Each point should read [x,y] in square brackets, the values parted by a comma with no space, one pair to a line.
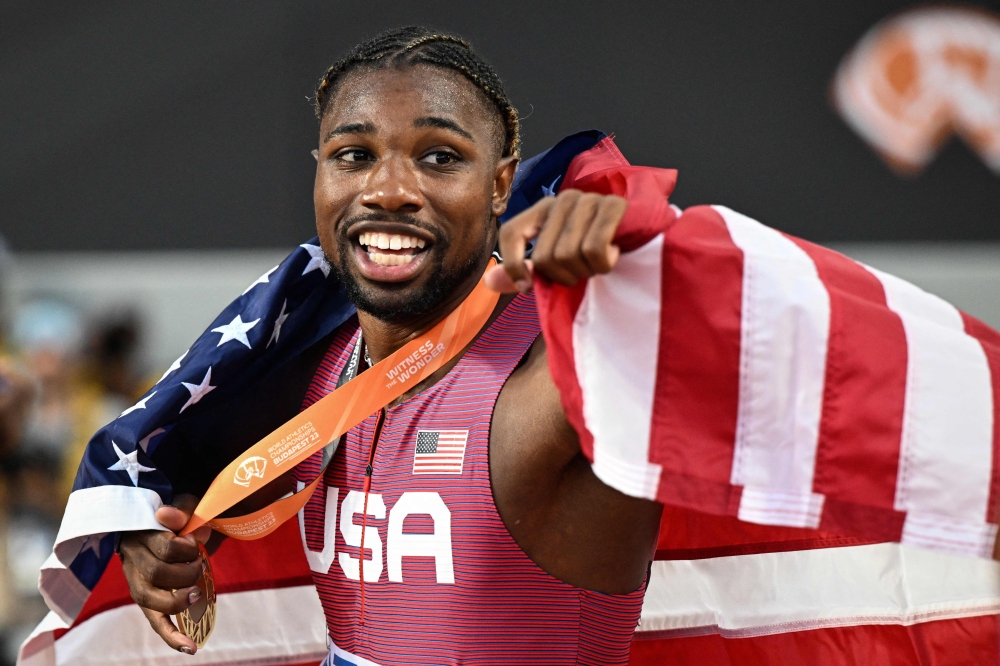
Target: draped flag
[736,374]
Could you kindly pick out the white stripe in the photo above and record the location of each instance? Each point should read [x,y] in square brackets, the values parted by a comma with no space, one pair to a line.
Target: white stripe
[616,335]
[38,648]
[770,593]
[784,329]
[946,451]
[769,507]
[89,511]
[104,509]
[272,626]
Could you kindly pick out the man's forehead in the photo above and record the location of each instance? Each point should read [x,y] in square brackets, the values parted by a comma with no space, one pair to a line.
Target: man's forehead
[411,93]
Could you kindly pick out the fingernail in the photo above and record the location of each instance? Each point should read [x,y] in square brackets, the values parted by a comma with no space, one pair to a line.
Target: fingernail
[194,595]
[185,649]
[522,285]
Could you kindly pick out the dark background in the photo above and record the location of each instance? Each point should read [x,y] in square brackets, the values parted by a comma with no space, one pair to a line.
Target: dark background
[155,125]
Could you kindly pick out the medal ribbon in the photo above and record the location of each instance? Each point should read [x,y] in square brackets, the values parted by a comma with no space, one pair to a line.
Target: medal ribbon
[332,416]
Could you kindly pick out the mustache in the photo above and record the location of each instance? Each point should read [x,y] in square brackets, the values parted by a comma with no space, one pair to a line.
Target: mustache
[379,216]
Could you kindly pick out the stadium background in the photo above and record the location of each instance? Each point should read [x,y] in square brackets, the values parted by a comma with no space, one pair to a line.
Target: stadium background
[154,158]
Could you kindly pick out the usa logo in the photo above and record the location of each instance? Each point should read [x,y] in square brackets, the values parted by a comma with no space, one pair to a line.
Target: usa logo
[439,451]
[251,467]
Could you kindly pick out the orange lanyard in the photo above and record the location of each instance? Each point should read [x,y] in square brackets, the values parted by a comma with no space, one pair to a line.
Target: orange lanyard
[329,418]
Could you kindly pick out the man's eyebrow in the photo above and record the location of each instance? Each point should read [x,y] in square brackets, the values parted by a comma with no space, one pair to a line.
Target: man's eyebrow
[350,128]
[442,123]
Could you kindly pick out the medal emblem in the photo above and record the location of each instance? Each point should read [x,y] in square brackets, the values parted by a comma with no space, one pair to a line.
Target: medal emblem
[198,620]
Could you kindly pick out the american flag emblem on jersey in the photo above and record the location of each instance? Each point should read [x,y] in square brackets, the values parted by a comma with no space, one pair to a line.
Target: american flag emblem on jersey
[439,451]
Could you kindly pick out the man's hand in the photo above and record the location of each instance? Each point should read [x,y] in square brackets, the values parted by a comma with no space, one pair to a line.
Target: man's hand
[162,569]
[574,231]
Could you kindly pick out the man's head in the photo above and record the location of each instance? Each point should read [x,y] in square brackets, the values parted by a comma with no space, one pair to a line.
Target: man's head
[417,149]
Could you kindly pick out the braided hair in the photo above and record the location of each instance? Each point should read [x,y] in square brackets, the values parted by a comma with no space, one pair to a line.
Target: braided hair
[415,45]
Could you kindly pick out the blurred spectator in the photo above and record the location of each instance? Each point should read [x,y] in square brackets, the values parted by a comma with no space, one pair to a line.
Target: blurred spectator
[68,386]
[49,335]
[109,382]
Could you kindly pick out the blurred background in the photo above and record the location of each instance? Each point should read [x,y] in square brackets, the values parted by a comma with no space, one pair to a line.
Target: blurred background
[155,159]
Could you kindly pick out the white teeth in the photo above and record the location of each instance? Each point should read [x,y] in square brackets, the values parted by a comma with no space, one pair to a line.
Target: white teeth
[390,259]
[386,242]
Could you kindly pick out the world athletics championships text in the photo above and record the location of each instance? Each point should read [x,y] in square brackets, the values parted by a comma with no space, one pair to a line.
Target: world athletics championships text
[291,444]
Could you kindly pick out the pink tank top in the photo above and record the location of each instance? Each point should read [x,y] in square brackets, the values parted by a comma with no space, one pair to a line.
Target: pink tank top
[444,582]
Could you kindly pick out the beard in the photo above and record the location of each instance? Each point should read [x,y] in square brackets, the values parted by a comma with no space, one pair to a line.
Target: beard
[400,303]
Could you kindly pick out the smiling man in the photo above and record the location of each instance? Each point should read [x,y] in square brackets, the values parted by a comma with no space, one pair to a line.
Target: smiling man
[494,527]
[504,506]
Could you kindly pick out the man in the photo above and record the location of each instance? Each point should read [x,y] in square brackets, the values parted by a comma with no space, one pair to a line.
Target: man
[507,507]
[418,149]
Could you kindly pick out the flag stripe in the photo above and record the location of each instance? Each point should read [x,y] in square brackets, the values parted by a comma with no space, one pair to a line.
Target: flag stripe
[810,589]
[990,341]
[616,332]
[286,626]
[959,642]
[785,327]
[857,457]
[944,481]
[697,384]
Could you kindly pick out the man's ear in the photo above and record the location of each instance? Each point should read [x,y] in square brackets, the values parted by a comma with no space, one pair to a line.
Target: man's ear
[503,181]
[315,154]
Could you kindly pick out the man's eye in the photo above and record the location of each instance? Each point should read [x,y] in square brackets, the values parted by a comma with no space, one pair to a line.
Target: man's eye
[439,158]
[354,155]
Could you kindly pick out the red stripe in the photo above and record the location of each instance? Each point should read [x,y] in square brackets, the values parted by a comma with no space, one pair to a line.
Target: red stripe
[692,535]
[960,642]
[697,389]
[857,457]
[990,341]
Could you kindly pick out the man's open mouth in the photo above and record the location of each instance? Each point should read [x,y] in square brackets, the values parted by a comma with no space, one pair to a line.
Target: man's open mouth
[391,249]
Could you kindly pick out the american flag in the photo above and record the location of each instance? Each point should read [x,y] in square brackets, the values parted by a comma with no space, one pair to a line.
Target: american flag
[765,380]
[439,451]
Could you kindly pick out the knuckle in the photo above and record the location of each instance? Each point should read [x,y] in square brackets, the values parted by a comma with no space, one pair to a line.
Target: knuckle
[149,570]
[176,605]
[565,254]
[592,250]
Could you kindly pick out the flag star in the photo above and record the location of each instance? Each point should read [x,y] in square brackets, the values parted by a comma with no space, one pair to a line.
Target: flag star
[282,316]
[130,464]
[235,330]
[198,391]
[93,543]
[139,405]
[144,442]
[176,365]
[263,279]
[550,191]
[317,260]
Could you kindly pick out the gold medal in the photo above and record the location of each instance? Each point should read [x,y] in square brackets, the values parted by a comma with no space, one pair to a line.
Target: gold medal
[198,620]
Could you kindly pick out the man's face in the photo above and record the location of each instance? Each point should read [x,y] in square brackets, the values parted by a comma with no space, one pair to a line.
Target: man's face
[408,185]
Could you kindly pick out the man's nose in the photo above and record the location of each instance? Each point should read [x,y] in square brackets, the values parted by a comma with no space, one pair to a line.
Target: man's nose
[393,186]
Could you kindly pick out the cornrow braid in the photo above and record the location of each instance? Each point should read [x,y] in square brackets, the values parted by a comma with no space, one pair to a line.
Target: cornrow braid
[414,45]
